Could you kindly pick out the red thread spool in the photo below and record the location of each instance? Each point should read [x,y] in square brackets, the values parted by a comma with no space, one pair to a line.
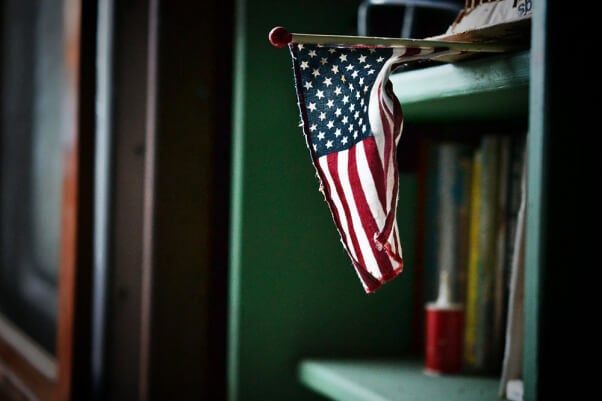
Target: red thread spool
[444,338]
[444,331]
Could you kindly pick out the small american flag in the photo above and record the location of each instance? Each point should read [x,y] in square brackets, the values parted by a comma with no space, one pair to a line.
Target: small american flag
[352,123]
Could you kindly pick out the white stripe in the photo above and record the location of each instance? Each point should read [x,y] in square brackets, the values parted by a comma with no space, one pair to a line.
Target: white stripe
[365,243]
[396,244]
[335,197]
[368,186]
[374,114]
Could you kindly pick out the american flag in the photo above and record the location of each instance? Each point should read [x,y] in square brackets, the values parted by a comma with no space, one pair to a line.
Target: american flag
[352,123]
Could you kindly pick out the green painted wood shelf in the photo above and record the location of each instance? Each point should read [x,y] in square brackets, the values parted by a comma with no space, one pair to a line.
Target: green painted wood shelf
[353,380]
[488,88]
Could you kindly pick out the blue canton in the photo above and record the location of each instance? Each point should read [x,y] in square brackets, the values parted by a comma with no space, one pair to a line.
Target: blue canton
[336,85]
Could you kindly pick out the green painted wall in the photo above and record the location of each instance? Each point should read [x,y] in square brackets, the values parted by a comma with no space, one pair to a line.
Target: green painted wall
[293,290]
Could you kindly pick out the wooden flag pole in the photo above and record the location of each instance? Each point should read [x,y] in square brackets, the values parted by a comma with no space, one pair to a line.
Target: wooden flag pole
[279,37]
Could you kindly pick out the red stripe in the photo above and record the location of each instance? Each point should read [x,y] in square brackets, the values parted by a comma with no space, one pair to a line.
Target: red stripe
[394,253]
[369,225]
[389,163]
[367,278]
[387,133]
[370,149]
[370,283]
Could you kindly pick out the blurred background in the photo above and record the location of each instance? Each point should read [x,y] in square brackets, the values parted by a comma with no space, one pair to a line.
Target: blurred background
[162,236]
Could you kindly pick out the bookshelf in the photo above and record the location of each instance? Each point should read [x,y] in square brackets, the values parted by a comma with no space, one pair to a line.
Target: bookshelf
[488,88]
[492,87]
[298,317]
[385,380]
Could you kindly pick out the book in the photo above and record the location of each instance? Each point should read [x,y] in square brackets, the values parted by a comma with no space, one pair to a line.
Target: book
[454,172]
[501,239]
[512,360]
[470,320]
[479,325]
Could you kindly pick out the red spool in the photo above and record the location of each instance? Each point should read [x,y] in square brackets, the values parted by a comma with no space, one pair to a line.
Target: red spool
[444,338]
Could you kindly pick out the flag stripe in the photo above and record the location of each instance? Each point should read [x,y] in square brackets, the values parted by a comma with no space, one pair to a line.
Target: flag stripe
[328,168]
[338,210]
[341,180]
[360,190]
[376,169]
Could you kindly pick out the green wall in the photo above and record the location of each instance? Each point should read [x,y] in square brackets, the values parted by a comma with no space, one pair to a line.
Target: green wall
[293,291]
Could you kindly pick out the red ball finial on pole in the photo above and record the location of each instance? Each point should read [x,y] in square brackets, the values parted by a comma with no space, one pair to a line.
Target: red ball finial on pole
[280,37]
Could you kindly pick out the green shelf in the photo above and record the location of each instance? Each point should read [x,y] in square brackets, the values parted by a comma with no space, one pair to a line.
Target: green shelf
[352,380]
[463,91]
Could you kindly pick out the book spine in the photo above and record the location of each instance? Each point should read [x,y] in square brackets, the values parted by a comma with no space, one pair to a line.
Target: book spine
[512,361]
[470,326]
[454,166]
[501,238]
[487,252]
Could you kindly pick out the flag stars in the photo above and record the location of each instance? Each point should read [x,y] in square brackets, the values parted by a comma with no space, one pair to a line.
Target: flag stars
[363,128]
[345,120]
[362,58]
[367,66]
[344,140]
[312,106]
[357,95]
[300,46]
[308,85]
[330,103]
[337,90]
[316,72]
[322,116]
[331,51]
[380,59]
[338,132]
[351,107]
[345,99]
[323,60]
[321,135]
[320,94]
[355,135]
[354,74]
[304,65]
[356,115]
[335,69]
[350,128]
[343,57]
[313,127]
[361,80]
[330,124]
[327,82]
[312,53]
[343,79]
[351,87]
[338,112]
[371,72]
[328,144]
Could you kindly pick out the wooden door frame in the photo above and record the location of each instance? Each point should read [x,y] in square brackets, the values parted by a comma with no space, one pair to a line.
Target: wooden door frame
[29,369]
